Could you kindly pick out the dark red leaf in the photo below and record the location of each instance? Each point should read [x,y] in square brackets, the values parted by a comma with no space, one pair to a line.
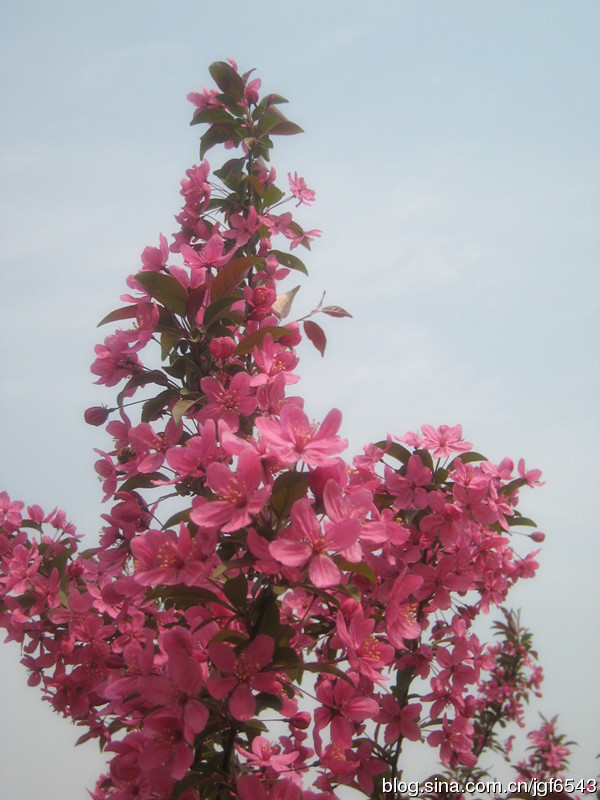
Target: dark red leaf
[316,334]
[335,311]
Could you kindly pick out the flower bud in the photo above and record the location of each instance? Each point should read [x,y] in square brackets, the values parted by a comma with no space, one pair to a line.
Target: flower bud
[75,570]
[301,720]
[96,415]
[222,347]
[538,536]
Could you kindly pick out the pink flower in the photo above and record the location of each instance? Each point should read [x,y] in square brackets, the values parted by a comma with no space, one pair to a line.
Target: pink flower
[532,477]
[10,513]
[409,487]
[293,438]
[306,542]
[300,190]
[273,359]
[259,300]
[302,237]
[242,228]
[150,447]
[115,360]
[207,98]
[211,255]
[162,557]
[445,440]
[456,742]
[401,613]
[399,722]
[238,491]
[366,654]
[177,691]
[168,751]
[228,403]
[269,756]
[341,705]
[250,787]
[21,568]
[155,258]
[196,454]
[277,224]
[246,671]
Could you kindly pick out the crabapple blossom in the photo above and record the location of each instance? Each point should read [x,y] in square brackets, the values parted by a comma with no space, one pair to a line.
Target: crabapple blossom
[247,572]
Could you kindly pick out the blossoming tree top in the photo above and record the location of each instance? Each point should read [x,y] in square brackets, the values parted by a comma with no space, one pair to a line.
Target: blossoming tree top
[261,615]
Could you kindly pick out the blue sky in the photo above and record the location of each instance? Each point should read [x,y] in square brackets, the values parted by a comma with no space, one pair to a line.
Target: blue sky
[454,150]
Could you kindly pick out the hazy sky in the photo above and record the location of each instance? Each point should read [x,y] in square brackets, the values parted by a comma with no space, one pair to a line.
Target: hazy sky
[454,150]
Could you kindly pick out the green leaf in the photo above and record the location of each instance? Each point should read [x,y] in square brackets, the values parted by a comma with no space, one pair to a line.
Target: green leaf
[180,516]
[268,122]
[166,322]
[177,368]
[329,669]
[266,619]
[216,310]
[227,79]
[143,480]
[261,147]
[286,128]
[180,408]
[212,115]
[441,475]
[127,312]
[517,519]
[511,487]
[267,101]
[234,167]
[426,458]
[255,339]
[216,134]
[168,339]
[275,99]
[28,523]
[351,590]
[164,288]
[156,404]
[229,276]
[466,458]
[232,103]
[395,450]
[185,596]
[256,184]
[227,635]
[288,487]
[267,700]
[271,196]
[275,122]
[142,379]
[359,568]
[290,261]
[236,590]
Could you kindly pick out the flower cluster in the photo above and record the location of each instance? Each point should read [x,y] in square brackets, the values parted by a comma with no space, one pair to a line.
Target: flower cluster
[286,583]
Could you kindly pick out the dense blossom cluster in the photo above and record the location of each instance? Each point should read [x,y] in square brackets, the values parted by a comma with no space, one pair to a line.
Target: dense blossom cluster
[294,617]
